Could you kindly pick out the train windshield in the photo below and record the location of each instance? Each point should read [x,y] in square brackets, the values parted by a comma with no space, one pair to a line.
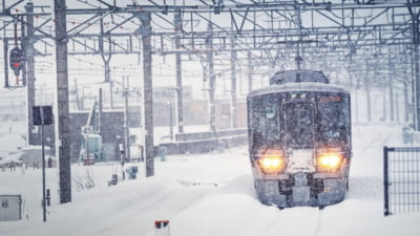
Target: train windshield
[299,125]
[319,120]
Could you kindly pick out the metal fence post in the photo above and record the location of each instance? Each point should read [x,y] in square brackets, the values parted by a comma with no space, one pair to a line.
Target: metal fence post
[386,192]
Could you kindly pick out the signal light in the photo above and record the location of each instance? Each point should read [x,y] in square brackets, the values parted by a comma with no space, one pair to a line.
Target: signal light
[16,60]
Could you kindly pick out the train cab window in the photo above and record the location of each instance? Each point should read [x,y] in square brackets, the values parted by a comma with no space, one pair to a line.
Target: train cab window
[333,120]
[299,125]
[265,121]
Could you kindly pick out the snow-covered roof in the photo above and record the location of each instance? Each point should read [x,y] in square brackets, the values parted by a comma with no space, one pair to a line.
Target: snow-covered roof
[35,147]
[10,158]
[11,142]
[303,86]
[8,191]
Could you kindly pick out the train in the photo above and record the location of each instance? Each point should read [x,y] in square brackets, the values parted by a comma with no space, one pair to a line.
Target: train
[300,143]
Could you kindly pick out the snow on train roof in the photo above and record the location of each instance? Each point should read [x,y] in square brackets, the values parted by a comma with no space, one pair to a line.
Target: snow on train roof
[291,76]
[303,86]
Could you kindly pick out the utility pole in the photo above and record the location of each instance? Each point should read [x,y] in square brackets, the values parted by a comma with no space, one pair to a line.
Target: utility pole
[233,86]
[416,60]
[212,79]
[171,131]
[391,94]
[63,125]
[356,98]
[250,71]
[367,92]
[6,63]
[385,114]
[146,30]
[397,108]
[406,112]
[76,91]
[126,120]
[100,110]
[417,70]
[179,97]
[30,69]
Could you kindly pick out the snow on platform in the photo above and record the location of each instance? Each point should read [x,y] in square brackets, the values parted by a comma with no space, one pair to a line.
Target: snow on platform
[207,195]
[8,191]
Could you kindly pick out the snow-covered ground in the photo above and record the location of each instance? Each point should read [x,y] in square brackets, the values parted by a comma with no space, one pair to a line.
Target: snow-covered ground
[210,194]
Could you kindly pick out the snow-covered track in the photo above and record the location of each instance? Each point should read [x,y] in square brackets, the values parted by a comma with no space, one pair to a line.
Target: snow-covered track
[295,221]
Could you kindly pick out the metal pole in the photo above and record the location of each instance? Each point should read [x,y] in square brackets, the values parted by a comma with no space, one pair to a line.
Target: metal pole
[391,94]
[180,103]
[368,99]
[87,149]
[212,79]
[417,83]
[386,192]
[171,131]
[100,110]
[406,103]
[111,95]
[6,62]
[126,122]
[234,123]
[43,167]
[145,19]
[416,61]
[250,71]
[23,35]
[384,106]
[63,125]
[397,108]
[30,65]
[77,95]
[357,107]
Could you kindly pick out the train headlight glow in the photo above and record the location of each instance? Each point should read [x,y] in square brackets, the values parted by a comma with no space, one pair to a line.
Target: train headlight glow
[271,162]
[329,161]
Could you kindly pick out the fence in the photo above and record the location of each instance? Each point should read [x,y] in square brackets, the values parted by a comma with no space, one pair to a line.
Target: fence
[203,142]
[401,180]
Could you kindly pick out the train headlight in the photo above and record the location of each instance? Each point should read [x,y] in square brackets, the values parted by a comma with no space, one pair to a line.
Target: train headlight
[271,162]
[329,161]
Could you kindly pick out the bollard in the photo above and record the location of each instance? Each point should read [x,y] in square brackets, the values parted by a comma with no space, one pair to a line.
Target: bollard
[48,198]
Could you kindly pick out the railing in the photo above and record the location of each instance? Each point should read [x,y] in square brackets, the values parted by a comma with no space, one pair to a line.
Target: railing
[401,180]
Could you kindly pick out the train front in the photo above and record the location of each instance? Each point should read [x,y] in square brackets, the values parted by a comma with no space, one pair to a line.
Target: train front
[300,143]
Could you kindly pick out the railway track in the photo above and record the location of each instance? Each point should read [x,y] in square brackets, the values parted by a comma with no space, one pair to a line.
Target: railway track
[296,221]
